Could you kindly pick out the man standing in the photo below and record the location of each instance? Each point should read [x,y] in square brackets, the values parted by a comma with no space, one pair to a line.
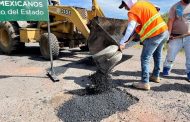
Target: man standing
[179,29]
[144,18]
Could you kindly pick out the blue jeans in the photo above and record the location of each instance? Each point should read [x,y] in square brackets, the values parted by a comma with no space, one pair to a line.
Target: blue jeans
[174,46]
[152,47]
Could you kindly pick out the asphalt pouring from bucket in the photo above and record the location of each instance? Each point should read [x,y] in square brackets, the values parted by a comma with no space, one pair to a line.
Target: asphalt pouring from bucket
[105,61]
[103,44]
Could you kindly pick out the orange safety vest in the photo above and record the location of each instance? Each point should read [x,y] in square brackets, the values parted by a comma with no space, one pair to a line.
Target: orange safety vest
[150,20]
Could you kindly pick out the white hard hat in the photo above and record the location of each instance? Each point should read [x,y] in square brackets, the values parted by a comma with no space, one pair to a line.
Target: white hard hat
[157,7]
[57,1]
[129,3]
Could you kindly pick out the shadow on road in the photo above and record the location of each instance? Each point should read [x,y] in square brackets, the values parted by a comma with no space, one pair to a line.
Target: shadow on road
[89,64]
[84,81]
[175,87]
[9,76]
[81,81]
[85,63]
[33,52]
[120,82]
[174,77]
[78,92]
[125,58]
[127,73]
[178,71]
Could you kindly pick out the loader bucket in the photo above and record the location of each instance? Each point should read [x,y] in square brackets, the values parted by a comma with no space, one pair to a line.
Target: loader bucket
[103,41]
[105,32]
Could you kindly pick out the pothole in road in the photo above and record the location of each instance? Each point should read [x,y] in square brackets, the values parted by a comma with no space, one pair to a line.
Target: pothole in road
[94,108]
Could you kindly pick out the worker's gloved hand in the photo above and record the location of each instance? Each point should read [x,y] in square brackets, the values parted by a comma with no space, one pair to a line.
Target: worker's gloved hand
[121,47]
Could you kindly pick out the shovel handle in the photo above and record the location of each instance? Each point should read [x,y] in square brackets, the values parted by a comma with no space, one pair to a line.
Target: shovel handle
[181,36]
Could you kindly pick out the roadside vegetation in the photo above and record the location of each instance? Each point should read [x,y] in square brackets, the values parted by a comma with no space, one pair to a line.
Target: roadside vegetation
[165,17]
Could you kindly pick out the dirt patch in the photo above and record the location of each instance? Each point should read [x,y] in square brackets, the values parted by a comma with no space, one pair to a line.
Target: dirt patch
[59,98]
[22,70]
[30,70]
[142,114]
[94,108]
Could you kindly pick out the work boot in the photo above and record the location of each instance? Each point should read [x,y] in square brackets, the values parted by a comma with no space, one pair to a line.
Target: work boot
[143,86]
[155,79]
[166,71]
[188,77]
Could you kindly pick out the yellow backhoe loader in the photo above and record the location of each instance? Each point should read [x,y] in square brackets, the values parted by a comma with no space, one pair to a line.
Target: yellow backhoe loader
[68,28]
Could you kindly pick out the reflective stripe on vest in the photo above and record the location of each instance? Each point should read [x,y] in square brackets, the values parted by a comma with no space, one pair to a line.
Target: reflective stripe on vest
[148,23]
[153,30]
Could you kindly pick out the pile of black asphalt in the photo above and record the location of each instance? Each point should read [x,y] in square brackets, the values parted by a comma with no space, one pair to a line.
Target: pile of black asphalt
[96,107]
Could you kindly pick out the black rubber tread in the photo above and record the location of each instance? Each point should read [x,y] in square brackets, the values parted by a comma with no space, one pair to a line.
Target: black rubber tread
[44,47]
[13,34]
[19,45]
[84,48]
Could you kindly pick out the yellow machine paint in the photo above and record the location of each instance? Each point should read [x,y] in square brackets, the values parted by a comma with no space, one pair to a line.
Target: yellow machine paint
[65,20]
[68,25]
[29,35]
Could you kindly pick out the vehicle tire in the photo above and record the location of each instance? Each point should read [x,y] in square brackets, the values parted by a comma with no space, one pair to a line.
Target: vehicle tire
[9,37]
[44,47]
[84,48]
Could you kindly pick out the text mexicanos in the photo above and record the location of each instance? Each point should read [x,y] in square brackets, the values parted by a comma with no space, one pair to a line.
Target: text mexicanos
[21,3]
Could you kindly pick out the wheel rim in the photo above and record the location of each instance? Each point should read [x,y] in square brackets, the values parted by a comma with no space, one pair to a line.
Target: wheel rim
[4,38]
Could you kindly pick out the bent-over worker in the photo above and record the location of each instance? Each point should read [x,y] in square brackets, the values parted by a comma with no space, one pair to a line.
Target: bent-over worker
[144,18]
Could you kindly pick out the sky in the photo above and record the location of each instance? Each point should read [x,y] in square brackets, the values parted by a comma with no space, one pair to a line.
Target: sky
[110,7]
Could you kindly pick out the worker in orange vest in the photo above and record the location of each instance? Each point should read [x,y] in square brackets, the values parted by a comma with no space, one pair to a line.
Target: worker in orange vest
[144,18]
